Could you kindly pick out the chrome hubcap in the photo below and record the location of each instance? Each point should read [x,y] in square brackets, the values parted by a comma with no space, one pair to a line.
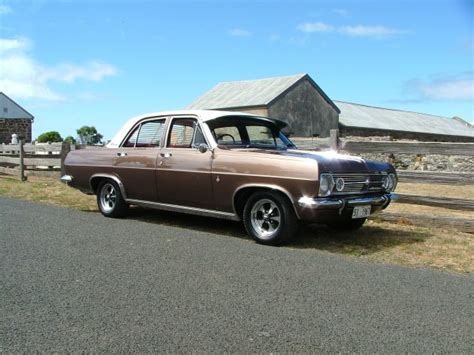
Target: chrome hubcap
[265,218]
[108,197]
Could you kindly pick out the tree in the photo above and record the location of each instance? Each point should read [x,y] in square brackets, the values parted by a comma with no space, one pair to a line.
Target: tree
[70,140]
[89,135]
[51,137]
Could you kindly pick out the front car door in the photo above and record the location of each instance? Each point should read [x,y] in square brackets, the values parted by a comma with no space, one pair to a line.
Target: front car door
[184,173]
[135,161]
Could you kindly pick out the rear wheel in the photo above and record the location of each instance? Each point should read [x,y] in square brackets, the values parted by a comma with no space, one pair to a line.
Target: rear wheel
[269,218]
[110,200]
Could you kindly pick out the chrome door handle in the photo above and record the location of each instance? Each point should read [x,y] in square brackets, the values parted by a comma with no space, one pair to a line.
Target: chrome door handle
[165,155]
[121,154]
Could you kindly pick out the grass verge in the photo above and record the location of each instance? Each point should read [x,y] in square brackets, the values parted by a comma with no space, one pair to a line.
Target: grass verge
[395,243]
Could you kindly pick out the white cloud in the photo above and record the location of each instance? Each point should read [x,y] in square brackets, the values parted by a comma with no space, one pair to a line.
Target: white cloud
[353,31]
[456,87]
[22,76]
[369,31]
[310,27]
[5,10]
[341,12]
[69,73]
[239,32]
[14,44]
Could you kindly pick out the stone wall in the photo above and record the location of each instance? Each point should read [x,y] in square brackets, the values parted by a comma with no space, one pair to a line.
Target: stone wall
[21,127]
[306,111]
[432,162]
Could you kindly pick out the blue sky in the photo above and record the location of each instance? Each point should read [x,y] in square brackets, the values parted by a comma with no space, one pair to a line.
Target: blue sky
[74,63]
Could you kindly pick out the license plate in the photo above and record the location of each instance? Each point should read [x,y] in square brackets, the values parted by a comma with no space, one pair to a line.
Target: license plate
[361,212]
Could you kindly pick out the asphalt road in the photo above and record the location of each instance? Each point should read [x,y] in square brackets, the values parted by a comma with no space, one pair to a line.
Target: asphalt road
[76,281]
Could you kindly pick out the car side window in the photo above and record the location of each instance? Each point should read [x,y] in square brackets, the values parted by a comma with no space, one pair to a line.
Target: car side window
[185,133]
[227,135]
[147,135]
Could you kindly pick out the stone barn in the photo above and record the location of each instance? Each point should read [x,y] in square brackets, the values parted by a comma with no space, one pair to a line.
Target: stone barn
[369,121]
[14,119]
[297,100]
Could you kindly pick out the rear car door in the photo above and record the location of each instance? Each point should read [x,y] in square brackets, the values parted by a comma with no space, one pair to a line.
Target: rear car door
[136,161]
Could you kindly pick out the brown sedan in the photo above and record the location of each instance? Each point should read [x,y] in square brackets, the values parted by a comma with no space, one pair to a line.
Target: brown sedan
[229,165]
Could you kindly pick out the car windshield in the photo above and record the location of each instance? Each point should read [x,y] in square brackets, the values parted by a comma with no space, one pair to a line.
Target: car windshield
[248,132]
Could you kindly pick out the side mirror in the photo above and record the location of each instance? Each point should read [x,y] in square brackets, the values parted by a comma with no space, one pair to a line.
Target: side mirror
[203,147]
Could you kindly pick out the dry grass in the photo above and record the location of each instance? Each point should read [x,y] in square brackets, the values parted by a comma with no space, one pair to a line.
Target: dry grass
[46,190]
[394,243]
[437,190]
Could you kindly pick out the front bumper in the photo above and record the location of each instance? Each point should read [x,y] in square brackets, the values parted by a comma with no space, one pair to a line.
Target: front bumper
[312,209]
[337,203]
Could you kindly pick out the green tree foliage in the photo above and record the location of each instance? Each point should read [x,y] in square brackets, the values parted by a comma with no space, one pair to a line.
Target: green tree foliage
[70,140]
[89,135]
[51,137]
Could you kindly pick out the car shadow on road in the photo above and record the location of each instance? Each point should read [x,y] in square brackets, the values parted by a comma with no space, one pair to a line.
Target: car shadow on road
[371,238]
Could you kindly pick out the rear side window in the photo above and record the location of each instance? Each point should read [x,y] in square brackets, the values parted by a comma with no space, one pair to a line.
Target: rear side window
[147,135]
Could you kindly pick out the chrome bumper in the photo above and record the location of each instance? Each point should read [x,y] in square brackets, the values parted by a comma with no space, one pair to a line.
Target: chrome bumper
[338,203]
[66,178]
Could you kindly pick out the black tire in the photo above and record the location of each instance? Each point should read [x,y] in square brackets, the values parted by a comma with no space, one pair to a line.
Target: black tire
[278,226]
[110,200]
[347,224]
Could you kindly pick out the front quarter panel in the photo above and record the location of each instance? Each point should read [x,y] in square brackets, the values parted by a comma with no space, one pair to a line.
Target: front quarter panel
[234,170]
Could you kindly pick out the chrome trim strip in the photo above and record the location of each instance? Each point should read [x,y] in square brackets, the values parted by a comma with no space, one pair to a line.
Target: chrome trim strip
[66,178]
[264,176]
[184,209]
[109,176]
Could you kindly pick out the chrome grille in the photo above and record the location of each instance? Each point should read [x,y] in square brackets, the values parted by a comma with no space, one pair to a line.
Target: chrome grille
[359,183]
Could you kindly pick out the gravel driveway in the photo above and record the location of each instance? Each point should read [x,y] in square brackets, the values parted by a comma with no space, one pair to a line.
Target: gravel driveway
[76,281]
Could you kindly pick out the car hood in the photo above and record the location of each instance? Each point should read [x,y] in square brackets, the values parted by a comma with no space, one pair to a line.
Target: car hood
[333,162]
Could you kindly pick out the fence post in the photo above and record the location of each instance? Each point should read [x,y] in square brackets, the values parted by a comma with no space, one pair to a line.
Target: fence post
[334,139]
[22,157]
[65,148]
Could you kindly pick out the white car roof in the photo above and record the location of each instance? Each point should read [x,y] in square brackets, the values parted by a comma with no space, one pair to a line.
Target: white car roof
[202,115]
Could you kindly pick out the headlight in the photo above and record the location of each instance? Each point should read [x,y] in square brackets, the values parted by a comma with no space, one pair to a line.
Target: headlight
[385,182]
[326,184]
[392,182]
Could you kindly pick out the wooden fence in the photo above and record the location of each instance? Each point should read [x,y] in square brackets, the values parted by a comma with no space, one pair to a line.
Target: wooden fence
[25,160]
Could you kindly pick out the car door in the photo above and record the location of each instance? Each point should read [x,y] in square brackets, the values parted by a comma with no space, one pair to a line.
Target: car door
[136,160]
[184,173]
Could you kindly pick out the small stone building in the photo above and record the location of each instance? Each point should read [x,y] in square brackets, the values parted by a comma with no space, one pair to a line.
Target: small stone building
[364,121]
[296,99]
[14,119]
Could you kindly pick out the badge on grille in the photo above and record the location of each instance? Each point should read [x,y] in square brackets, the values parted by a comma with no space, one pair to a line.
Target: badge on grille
[339,184]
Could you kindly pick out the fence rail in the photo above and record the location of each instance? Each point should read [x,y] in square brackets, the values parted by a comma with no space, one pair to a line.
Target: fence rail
[428,148]
[33,159]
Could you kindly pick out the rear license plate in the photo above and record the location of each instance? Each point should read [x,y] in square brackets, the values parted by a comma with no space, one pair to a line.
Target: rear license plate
[361,212]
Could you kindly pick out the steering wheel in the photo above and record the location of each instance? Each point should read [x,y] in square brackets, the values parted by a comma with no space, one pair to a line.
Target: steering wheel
[220,136]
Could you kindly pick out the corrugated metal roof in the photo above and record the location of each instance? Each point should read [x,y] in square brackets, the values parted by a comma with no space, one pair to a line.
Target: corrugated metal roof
[356,115]
[9,109]
[245,93]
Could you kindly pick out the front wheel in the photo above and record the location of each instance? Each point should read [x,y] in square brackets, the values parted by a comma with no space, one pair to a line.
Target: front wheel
[110,200]
[269,218]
